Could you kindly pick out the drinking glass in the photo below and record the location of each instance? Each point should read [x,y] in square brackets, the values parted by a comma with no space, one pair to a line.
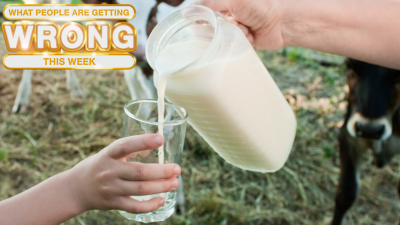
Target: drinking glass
[141,118]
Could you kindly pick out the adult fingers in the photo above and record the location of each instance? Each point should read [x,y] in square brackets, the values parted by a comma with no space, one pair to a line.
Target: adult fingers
[140,188]
[244,29]
[231,20]
[140,171]
[216,5]
[125,146]
[250,37]
[134,206]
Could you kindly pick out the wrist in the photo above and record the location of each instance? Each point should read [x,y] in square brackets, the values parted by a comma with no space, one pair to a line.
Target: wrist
[293,25]
[304,23]
[73,192]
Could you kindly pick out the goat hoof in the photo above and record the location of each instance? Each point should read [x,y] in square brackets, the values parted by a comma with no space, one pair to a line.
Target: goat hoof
[15,108]
[77,93]
[19,108]
[180,209]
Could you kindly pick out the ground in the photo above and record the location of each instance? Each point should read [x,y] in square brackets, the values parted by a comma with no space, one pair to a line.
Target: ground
[57,132]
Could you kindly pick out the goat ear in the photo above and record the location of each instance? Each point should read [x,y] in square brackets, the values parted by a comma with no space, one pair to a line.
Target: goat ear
[172,2]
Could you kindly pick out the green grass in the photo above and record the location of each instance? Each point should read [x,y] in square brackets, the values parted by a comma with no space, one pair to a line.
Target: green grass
[76,2]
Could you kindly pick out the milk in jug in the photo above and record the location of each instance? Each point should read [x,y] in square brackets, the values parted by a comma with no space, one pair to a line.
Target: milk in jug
[207,66]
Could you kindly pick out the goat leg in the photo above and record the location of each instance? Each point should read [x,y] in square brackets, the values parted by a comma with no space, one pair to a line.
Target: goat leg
[24,92]
[73,84]
[180,198]
[348,188]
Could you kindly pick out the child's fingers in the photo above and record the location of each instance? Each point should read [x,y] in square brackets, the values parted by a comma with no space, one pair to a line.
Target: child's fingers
[133,171]
[141,154]
[131,156]
[140,188]
[134,206]
[125,146]
[145,153]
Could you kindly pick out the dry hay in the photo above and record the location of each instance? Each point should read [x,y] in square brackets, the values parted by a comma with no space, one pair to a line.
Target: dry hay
[57,132]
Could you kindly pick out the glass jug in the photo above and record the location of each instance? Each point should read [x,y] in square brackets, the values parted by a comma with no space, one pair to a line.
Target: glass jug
[232,100]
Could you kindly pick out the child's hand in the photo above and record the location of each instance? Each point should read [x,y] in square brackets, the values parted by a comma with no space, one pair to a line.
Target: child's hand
[106,181]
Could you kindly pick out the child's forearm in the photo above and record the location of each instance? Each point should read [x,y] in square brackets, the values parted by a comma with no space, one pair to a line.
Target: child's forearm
[51,202]
[368,30]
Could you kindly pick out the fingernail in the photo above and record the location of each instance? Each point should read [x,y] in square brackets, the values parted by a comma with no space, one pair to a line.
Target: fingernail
[177,170]
[157,140]
[161,202]
[175,184]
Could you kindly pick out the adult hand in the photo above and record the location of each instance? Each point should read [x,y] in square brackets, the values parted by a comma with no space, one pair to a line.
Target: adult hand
[353,28]
[106,180]
[259,20]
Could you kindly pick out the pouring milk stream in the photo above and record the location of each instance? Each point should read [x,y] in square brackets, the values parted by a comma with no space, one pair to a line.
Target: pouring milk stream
[231,99]
[172,60]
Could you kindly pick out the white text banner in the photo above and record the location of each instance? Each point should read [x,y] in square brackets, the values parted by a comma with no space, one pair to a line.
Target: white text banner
[69,12]
[69,61]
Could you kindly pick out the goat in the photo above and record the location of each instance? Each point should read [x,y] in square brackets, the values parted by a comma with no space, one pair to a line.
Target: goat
[372,122]
[21,102]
